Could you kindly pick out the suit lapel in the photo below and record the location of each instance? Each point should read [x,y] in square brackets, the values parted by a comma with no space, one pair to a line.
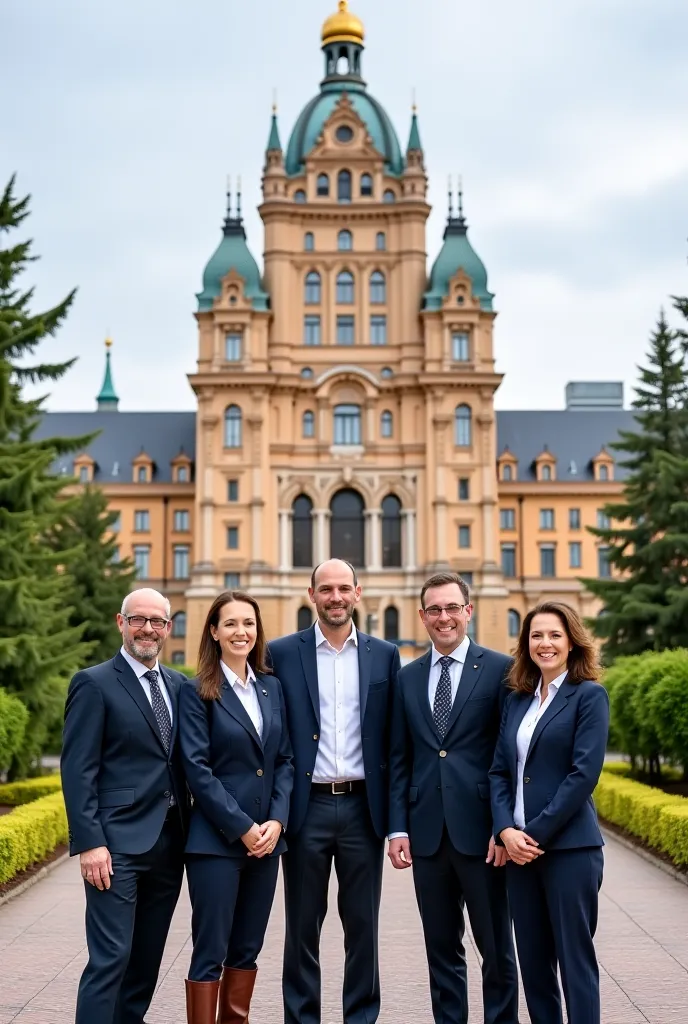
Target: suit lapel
[470,674]
[263,691]
[557,705]
[231,703]
[131,684]
[309,662]
[422,684]
[519,714]
[364,666]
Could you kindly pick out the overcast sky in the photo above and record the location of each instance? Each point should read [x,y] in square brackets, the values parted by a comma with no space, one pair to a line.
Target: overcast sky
[568,122]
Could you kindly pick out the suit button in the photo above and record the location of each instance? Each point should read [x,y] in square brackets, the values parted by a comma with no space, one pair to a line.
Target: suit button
[443,753]
[308,775]
[527,779]
[259,772]
[315,735]
[167,793]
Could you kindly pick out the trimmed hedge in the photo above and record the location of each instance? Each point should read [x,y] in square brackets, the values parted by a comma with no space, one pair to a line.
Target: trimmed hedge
[660,819]
[29,833]
[13,794]
[13,721]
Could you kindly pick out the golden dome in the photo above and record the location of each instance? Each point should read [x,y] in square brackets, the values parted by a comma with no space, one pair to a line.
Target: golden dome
[343,27]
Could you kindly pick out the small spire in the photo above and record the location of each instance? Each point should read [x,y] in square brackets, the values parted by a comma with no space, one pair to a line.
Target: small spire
[414,143]
[460,193]
[274,143]
[107,400]
[238,202]
[229,197]
[450,196]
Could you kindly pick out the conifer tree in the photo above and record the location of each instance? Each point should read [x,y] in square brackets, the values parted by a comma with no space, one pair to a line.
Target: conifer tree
[39,648]
[644,603]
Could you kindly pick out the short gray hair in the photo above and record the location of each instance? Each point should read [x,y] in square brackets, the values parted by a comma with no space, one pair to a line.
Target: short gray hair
[168,607]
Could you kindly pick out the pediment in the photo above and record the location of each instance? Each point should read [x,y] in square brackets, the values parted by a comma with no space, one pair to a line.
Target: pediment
[360,149]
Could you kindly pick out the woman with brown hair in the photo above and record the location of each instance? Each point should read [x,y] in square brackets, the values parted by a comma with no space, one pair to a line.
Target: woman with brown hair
[548,759]
[237,758]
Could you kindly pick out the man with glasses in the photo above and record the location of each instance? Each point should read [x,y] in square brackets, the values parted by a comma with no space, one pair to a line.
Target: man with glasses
[445,721]
[126,806]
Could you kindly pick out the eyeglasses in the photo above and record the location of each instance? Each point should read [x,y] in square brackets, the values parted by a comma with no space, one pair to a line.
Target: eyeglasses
[139,621]
[452,610]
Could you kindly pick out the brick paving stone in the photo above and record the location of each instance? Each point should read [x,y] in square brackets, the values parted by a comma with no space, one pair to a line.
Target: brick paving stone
[642,946]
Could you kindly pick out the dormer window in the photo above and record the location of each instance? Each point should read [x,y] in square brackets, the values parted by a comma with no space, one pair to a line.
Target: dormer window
[182,474]
[603,466]
[142,475]
[545,466]
[507,466]
[83,475]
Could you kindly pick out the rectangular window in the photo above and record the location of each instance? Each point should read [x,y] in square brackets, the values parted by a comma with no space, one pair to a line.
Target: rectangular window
[574,519]
[464,489]
[464,536]
[604,569]
[181,561]
[575,554]
[507,519]
[232,581]
[232,490]
[83,474]
[546,518]
[177,657]
[547,560]
[345,330]
[460,353]
[602,520]
[509,560]
[181,521]
[378,330]
[142,561]
[233,538]
[233,347]
[347,424]
[116,525]
[311,330]
[141,521]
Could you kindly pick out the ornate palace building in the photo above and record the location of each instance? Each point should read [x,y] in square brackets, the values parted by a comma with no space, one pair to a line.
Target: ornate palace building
[345,405]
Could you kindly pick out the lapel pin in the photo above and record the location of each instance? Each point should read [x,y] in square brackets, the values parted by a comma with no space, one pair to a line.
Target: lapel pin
[265,693]
[475,666]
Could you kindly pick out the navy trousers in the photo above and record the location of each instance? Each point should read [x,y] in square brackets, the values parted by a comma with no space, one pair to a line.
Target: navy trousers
[126,930]
[445,883]
[554,907]
[231,899]
[337,829]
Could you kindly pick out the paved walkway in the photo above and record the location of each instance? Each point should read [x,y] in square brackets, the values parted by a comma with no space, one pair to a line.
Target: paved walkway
[642,946]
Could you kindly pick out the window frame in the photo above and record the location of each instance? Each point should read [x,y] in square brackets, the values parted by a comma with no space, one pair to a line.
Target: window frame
[347,425]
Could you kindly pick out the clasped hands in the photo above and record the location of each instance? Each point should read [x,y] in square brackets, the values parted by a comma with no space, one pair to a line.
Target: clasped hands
[262,839]
[399,852]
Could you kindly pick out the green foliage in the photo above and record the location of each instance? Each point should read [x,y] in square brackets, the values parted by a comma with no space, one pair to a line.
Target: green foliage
[186,670]
[13,721]
[39,648]
[13,794]
[29,833]
[658,818]
[98,583]
[668,705]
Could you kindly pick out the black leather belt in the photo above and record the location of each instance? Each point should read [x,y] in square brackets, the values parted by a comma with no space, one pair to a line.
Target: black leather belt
[339,788]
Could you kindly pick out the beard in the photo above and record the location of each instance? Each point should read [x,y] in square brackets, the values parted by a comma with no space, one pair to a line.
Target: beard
[144,651]
[338,616]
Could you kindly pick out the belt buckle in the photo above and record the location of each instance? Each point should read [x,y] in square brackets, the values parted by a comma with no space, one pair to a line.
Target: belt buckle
[340,792]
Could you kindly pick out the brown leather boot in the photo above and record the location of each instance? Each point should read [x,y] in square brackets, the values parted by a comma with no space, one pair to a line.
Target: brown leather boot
[236,989]
[201,1001]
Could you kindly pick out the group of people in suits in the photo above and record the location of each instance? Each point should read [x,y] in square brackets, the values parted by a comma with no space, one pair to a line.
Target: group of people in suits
[315,749]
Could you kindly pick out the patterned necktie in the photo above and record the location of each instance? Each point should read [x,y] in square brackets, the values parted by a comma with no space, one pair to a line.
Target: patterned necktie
[162,715]
[441,707]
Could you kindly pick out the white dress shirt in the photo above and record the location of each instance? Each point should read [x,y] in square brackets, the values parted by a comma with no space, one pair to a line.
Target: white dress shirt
[140,671]
[246,692]
[340,747]
[525,735]
[458,657]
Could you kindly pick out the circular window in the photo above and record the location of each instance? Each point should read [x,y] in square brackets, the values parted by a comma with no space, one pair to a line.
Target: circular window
[306,373]
[460,300]
[344,133]
[387,372]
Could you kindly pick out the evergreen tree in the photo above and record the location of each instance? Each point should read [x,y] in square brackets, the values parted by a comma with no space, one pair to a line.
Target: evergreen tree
[99,583]
[645,603]
[39,648]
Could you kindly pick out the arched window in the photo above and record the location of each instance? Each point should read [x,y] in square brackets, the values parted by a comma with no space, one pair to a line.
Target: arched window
[462,426]
[604,472]
[313,289]
[514,623]
[546,472]
[391,532]
[344,187]
[345,241]
[345,288]
[366,185]
[506,473]
[389,196]
[302,532]
[378,288]
[391,627]
[299,196]
[179,624]
[347,424]
[323,185]
[308,241]
[381,241]
[347,527]
[233,427]
[304,617]
[308,424]
[386,424]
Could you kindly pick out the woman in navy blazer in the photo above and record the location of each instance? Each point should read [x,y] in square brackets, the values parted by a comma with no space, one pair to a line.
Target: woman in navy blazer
[237,757]
[548,759]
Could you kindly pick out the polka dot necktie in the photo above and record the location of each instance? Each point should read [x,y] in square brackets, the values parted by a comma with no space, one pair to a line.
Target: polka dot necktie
[441,707]
[162,715]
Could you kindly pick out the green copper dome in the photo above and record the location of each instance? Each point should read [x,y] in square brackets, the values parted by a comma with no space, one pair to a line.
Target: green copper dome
[456,254]
[232,254]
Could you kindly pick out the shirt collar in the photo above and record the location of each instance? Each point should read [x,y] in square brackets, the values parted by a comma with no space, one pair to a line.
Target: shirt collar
[234,680]
[458,655]
[138,668]
[554,685]
[320,637]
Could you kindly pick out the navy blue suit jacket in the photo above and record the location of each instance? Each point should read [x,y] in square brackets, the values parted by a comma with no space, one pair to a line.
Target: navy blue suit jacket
[436,782]
[116,776]
[562,768]
[236,778]
[294,661]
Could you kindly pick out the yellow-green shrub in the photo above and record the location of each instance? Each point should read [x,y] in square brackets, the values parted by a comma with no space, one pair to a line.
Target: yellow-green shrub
[12,794]
[29,833]
[660,819]
[622,768]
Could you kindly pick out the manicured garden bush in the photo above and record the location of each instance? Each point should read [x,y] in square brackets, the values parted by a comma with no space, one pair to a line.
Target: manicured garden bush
[660,819]
[29,833]
[12,794]
[668,705]
[13,721]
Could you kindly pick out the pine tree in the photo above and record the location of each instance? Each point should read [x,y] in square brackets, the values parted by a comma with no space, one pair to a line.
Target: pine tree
[39,648]
[645,604]
[99,583]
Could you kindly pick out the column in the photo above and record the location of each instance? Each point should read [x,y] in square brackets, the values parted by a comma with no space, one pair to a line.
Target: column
[322,546]
[373,539]
[440,531]
[410,555]
[284,540]
[257,531]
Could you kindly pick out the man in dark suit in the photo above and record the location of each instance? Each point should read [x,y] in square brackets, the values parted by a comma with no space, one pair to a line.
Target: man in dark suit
[337,685]
[126,805]
[446,716]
